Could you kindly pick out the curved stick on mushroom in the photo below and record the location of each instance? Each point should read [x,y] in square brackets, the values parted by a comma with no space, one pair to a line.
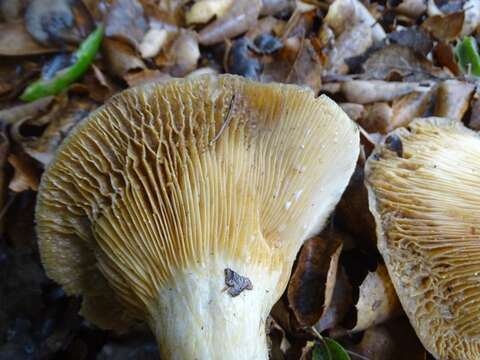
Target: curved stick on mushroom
[152,216]
[423,192]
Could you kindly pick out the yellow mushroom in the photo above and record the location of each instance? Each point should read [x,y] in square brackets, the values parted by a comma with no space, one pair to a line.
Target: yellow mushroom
[423,184]
[184,205]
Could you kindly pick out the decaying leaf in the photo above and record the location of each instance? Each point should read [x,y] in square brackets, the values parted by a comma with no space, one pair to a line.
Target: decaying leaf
[472,16]
[25,111]
[342,301]
[396,61]
[50,129]
[444,55]
[352,42]
[26,175]
[120,57]
[474,121]
[311,286]
[453,99]
[185,53]
[354,111]
[16,41]
[414,38]
[145,76]
[272,7]
[152,42]
[346,13]
[369,91]
[411,8]
[395,340]
[408,107]
[125,20]
[241,16]
[203,11]
[353,213]
[377,118]
[445,28]
[377,302]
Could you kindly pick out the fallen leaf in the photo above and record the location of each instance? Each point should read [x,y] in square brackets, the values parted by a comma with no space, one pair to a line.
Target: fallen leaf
[120,57]
[240,17]
[25,111]
[16,41]
[445,28]
[26,175]
[203,11]
[411,8]
[444,55]
[307,68]
[414,38]
[453,99]
[152,42]
[474,121]
[342,301]
[399,61]
[242,60]
[353,213]
[185,53]
[272,7]
[311,285]
[395,340]
[58,22]
[347,13]
[125,20]
[146,76]
[408,107]
[369,91]
[354,111]
[352,42]
[377,302]
[377,118]
[472,16]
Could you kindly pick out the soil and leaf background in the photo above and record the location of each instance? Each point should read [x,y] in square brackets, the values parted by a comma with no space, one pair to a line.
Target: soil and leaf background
[384,62]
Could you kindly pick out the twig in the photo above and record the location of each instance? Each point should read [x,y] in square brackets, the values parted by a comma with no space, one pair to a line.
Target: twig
[226,122]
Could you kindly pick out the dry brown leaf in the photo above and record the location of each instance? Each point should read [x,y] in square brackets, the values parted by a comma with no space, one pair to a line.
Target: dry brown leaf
[352,42]
[377,118]
[414,38]
[120,57]
[445,28]
[272,7]
[184,53]
[352,211]
[411,8]
[354,111]
[343,14]
[52,128]
[342,300]
[311,286]
[474,121]
[307,68]
[239,18]
[369,91]
[145,76]
[16,41]
[453,99]
[408,107]
[443,53]
[394,340]
[396,61]
[26,175]
[377,302]
[125,20]
[25,111]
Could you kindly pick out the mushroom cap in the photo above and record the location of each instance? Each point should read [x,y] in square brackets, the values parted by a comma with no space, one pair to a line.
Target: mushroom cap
[423,184]
[165,178]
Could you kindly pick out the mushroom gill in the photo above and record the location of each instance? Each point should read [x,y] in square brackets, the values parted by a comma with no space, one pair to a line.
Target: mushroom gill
[184,205]
[423,184]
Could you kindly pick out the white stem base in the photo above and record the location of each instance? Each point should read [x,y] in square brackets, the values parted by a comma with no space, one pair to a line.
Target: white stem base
[199,319]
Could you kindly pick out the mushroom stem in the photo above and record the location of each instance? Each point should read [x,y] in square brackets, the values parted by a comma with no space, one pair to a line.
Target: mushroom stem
[200,319]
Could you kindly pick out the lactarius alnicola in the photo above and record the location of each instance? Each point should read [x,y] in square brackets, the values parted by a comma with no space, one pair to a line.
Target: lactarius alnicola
[184,205]
[424,184]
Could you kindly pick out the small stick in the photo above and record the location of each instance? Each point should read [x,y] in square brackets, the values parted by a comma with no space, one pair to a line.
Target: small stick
[226,122]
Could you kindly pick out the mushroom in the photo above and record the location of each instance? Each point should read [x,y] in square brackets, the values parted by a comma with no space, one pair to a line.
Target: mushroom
[184,205]
[423,186]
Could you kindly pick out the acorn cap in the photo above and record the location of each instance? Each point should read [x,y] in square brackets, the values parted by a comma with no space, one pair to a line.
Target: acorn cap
[423,184]
[166,178]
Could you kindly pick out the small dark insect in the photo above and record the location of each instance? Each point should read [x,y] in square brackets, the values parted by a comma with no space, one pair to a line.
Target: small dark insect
[393,143]
[236,283]
[266,44]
